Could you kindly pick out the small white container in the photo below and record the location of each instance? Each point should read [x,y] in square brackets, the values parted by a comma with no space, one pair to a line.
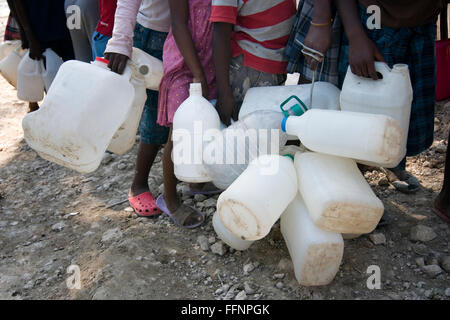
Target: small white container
[193,121]
[9,65]
[325,96]
[360,136]
[84,107]
[336,194]
[392,96]
[7,47]
[255,201]
[227,237]
[52,64]
[30,84]
[316,254]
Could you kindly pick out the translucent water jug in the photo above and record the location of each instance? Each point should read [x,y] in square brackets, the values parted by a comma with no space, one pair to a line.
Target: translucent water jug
[255,201]
[325,96]
[361,136]
[336,194]
[194,122]
[52,64]
[125,137]
[146,73]
[229,154]
[227,237]
[392,96]
[149,67]
[30,84]
[10,64]
[84,107]
[316,254]
[7,47]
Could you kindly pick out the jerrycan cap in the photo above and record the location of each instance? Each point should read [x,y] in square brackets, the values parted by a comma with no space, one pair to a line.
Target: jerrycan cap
[296,110]
[102,60]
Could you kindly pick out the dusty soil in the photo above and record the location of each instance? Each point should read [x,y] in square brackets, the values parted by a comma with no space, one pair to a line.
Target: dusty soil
[52,218]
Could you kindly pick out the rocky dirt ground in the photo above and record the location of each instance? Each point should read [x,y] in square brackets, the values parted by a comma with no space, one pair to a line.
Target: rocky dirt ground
[52,218]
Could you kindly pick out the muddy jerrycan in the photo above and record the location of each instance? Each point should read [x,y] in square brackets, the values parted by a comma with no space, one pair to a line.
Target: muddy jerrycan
[194,123]
[30,84]
[7,47]
[316,254]
[325,96]
[84,107]
[391,95]
[336,194]
[229,154]
[255,201]
[52,64]
[360,136]
[9,65]
[227,237]
[149,67]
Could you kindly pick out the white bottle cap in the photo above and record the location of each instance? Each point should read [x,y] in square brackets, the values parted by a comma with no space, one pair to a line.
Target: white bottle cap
[195,89]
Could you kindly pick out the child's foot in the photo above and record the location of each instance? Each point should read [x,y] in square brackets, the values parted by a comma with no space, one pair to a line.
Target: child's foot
[442,208]
[402,180]
[143,202]
[182,215]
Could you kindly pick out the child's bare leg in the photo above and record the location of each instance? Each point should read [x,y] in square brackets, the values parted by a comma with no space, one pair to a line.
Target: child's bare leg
[145,157]
[33,106]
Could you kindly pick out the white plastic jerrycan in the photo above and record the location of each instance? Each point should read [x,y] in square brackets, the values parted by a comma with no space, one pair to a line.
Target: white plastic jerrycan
[229,154]
[30,84]
[227,237]
[52,64]
[255,201]
[316,254]
[336,194]
[9,65]
[361,136]
[7,47]
[146,73]
[84,107]
[392,95]
[325,96]
[149,67]
[194,122]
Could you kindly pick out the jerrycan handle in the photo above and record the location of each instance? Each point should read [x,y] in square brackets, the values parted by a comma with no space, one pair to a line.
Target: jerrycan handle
[295,110]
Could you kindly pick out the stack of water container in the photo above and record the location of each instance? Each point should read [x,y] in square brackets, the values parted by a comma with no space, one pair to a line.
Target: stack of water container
[321,194]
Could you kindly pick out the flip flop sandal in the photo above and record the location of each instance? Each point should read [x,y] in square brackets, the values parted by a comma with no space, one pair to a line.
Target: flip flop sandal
[208,189]
[408,186]
[144,205]
[183,215]
[440,213]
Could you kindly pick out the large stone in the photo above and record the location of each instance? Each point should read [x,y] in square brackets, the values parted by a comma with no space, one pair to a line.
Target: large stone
[445,263]
[432,270]
[377,238]
[422,233]
[218,248]
[203,243]
[112,235]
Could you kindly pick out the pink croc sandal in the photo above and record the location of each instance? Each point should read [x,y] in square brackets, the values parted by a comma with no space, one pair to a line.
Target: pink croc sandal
[144,205]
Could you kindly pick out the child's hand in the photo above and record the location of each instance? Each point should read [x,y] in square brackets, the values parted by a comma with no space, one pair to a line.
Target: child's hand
[117,61]
[318,38]
[227,109]
[362,56]
[35,50]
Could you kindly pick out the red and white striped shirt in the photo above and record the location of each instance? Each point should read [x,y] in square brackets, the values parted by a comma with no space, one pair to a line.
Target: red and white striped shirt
[261,30]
